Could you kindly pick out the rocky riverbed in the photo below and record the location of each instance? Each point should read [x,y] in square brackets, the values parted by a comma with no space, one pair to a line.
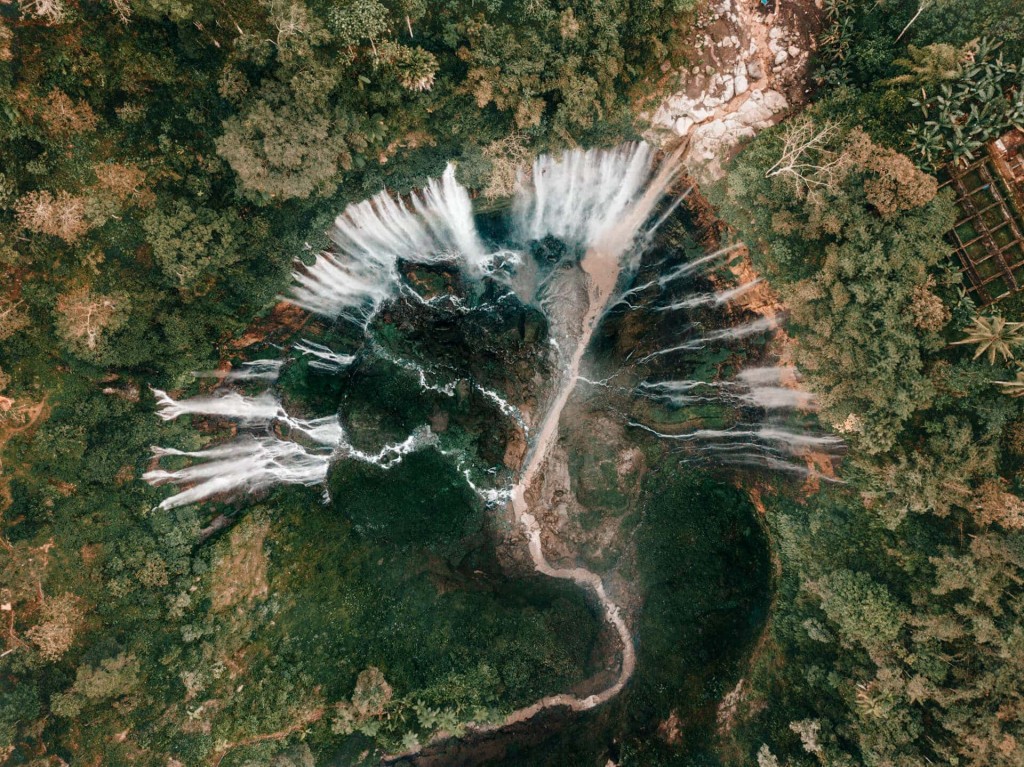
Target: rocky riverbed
[748,69]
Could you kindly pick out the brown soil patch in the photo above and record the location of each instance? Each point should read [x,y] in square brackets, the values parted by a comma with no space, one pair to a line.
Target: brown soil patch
[755,498]
[17,419]
[89,552]
[240,573]
[671,729]
[284,320]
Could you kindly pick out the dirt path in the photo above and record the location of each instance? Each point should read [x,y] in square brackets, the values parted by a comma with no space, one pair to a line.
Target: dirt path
[304,721]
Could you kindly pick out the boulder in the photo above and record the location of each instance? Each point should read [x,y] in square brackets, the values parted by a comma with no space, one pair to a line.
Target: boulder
[682,126]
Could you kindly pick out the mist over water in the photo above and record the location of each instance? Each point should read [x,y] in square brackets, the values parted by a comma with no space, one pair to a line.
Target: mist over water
[583,197]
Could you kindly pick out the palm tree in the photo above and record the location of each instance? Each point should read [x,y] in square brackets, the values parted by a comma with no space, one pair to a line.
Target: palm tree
[1014,388]
[992,336]
[416,69]
[932,64]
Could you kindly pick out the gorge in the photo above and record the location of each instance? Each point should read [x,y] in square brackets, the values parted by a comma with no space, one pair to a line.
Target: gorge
[602,209]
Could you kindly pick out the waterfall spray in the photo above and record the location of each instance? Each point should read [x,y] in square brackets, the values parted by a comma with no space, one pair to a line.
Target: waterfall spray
[759,325]
[372,236]
[256,370]
[711,299]
[323,357]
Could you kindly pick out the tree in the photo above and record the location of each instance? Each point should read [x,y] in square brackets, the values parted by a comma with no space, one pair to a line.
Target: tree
[1014,388]
[12,317]
[809,159]
[993,336]
[359,20]
[414,67]
[282,150]
[896,185]
[52,12]
[993,505]
[962,115]
[929,311]
[64,117]
[112,678]
[296,30]
[191,243]
[922,6]
[931,65]
[86,319]
[6,38]
[509,157]
[55,633]
[62,216]
[863,611]
[125,183]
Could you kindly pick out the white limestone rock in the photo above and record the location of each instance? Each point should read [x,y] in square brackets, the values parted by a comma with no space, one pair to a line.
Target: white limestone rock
[682,126]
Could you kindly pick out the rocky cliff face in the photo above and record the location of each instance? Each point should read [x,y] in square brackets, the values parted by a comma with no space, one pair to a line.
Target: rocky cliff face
[749,69]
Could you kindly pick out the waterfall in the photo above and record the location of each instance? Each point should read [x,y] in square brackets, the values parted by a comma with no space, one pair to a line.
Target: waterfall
[686,269]
[677,387]
[372,236]
[248,464]
[710,299]
[256,462]
[257,370]
[679,393]
[766,397]
[604,204]
[792,442]
[767,375]
[582,195]
[263,408]
[323,357]
[765,445]
[597,200]
[759,325]
[778,398]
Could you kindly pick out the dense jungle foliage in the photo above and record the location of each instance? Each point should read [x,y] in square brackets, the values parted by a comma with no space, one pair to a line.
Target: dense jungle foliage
[163,162]
[161,165]
[896,631]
